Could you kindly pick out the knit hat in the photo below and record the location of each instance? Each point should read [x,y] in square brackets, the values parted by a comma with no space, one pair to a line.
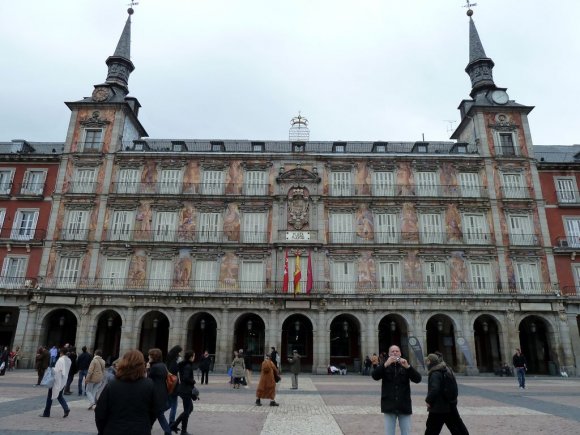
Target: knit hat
[432,359]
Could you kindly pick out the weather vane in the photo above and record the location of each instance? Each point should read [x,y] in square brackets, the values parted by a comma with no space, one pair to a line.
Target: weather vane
[133,3]
[468,6]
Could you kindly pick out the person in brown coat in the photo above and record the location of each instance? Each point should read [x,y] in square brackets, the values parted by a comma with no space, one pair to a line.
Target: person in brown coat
[267,385]
[42,359]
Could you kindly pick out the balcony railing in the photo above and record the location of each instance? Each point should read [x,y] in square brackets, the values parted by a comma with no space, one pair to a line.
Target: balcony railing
[22,234]
[506,151]
[568,243]
[80,187]
[201,236]
[411,190]
[568,197]
[29,189]
[515,192]
[190,287]
[17,282]
[161,188]
[5,188]
[409,237]
[524,240]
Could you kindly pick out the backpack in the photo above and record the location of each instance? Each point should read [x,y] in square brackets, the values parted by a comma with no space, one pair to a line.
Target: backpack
[171,382]
[449,386]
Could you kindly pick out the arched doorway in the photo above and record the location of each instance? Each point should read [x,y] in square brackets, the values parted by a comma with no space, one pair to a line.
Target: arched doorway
[535,345]
[393,331]
[345,342]
[441,337]
[487,347]
[8,322]
[297,335]
[249,334]
[60,328]
[154,332]
[108,337]
[202,334]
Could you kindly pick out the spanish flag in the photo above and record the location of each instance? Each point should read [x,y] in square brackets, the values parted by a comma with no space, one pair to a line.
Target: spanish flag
[285,281]
[297,275]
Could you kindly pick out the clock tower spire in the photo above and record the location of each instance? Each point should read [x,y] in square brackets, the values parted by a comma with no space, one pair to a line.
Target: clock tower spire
[480,66]
[120,65]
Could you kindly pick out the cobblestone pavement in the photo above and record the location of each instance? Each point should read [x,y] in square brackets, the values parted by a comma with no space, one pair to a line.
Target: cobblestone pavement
[325,405]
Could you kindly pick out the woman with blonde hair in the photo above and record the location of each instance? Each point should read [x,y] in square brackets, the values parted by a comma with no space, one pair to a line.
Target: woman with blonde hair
[128,403]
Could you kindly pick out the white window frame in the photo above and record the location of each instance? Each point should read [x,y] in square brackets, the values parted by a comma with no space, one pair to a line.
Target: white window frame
[254,227]
[341,183]
[210,227]
[6,178]
[16,277]
[84,181]
[436,279]
[68,271]
[170,181]
[252,276]
[387,228]
[528,277]
[566,190]
[482,277]
[160,274]
[470,184]
[521,230]
[77,227]
[572,228]
[129,179]
[389,276]
[165,226]
[18,231]
[431,228]
[427,183]
[513,185]
[86,144]
[115,273]
[576,273]
[206,274]
[500,149]
[343,276]
[341,227]
[475,231]
[212,182]
[2,216]
[33,182]
[384,183]
[121,225]
[255,183]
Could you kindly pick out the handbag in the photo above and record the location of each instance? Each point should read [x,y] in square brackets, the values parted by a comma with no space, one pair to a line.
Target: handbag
[194,394]
[171,382]
[2,366]
[277,377]
[48,378]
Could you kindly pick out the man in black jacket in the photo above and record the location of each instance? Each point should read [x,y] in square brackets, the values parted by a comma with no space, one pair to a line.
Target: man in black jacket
[396,374]
[521,367]
[83,363]
[442,410]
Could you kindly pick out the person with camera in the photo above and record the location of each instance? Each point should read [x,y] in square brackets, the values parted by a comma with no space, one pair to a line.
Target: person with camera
[396,374]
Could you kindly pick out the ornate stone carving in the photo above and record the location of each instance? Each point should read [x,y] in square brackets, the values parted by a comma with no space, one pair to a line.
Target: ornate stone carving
[503,122]
[298,207]
[298,175]
[94,120]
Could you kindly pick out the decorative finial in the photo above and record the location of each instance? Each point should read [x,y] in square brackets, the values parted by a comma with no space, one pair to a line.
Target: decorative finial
[468,6]
[131,11]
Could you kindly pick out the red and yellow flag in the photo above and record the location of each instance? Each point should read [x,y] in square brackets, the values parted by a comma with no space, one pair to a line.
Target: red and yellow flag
[309,278]
[297,275]
[285,280]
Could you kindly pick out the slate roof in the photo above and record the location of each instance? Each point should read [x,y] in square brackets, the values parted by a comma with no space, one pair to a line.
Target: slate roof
[557,153]
[31,148]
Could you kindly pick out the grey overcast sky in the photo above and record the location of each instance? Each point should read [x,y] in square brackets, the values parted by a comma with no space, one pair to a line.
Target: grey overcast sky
[241,69]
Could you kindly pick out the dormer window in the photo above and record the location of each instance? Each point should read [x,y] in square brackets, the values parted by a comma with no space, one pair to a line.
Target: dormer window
[178,146]
[258,147]
[217,146]
[140,145]
[298,147]
[339,147]
[380,147]
[421,147]
[459,148]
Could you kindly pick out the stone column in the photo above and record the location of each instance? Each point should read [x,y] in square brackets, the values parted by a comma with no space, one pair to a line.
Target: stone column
[416,330]
[369,344]
[274,333]
[468,335]
[26,355]
[567,362]
[86,329]
[223,345]
[575,341]
[322,344]
[128,340]
[177,330]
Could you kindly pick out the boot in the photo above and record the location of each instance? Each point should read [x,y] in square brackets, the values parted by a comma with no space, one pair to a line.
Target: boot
[273,403]
[258,403]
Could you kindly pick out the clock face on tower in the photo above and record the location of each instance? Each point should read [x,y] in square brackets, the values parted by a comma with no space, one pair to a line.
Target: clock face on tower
[101,94]
[499,96]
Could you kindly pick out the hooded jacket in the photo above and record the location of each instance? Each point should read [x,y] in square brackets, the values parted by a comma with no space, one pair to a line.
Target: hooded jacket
[438,403]
[396,387]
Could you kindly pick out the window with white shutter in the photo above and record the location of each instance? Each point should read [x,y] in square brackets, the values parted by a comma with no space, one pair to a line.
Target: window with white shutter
[513,186]
[255,183]
[115,273]
[435,276]
[252,276]
[340,183]
[210,227]
[469,184]
[213,183]
[128,181]
[343,276]
[475,230]
[341,228]
[520,228]
[528,277]
[160,274]
[6,176]
[33,182]
[77,225]
[206,275]
[481,278]
[427,183]
[431,231]
[170,181]
[83,181]
[2,216]
[383,183]
[165,226]
[576,271]
[254,227]
[68,271]
[386,229]
[24,225]
[13,272]
[566,190]
[389,276]
[121,225]
[573,232]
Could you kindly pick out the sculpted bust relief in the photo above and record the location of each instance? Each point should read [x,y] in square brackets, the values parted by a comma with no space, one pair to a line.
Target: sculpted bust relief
[298,207]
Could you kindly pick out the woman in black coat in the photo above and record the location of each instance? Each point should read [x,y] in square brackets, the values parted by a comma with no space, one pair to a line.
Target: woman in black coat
[157,372]
[127,405]
[186,384]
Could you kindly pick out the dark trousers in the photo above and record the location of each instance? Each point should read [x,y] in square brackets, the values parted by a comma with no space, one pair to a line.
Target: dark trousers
[204,375]
[82,376]
[40,375]
[69,380]
[184,416]
[163,422]
[172,400]
[451,419]
[60,399]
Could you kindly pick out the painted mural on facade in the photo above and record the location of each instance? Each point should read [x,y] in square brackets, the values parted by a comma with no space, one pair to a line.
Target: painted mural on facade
[229,271]
[232,222]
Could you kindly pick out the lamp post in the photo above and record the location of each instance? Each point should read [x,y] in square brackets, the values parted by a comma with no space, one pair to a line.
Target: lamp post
[440,326]
[7,318]
[110,322]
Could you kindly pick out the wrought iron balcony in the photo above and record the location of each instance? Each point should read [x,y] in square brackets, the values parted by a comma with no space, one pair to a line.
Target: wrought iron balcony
[5,188]
[568,197]
[17,282]
[409,237]
[567,244]
[161,188]
[515,192]
[22,234]
[524,240]
[411,190]
[29,189]
[80,187]
[177,236]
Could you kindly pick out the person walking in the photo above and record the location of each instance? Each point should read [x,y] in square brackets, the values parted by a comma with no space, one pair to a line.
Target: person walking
[4,360]
[83,363]
[374,361]
[248,364]
[294,361]
[185,387]
[396,375]
[127,404]
[95,380]
[172,360]
[204,365]
[441,398]
[367,366]
[61,369]
[274,356]
[53,355]
[41,360]
[267,384]
[520,364]
[72,354]
[238,369]
[157,372]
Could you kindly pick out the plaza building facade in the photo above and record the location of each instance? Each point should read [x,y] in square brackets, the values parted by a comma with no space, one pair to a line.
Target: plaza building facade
[445,245]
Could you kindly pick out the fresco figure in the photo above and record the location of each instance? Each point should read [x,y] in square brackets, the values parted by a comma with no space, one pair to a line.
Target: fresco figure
[232,223]
[449,180]
[458,271]
[453,224]
[412,271]
[182,272]
[144,219]
[366,271]
[234,178]
[191,178]
[149,176]
[405,180]
[362,180]
[138,271]
[364,224]
[229,271]
[186,228]
[409,223]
